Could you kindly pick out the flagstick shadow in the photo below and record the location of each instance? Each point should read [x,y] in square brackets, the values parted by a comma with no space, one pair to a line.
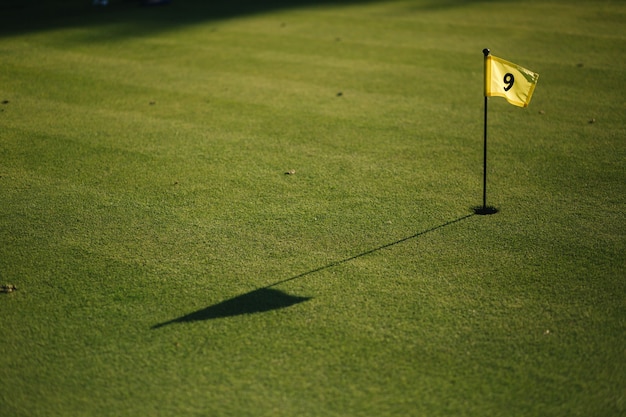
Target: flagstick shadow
[266,298]
[388,245]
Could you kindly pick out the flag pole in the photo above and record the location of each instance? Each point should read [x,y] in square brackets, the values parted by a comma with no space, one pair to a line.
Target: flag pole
[485,209]
[486,53]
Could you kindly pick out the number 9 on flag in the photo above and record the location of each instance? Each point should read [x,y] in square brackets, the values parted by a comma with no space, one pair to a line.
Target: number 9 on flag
[506,79]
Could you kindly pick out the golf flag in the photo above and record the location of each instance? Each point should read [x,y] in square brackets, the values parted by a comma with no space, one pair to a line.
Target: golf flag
[506,79]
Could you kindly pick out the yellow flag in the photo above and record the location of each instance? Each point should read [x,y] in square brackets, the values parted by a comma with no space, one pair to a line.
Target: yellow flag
[506,79]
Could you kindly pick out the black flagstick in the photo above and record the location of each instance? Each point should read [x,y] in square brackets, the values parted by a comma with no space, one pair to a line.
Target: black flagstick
[485,209]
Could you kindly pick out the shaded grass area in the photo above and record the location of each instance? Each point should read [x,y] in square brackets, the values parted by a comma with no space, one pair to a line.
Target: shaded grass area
[23,16]
[142,179]
[35,15]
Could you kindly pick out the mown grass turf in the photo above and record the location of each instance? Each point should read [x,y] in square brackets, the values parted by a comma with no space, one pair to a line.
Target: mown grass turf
[145,205]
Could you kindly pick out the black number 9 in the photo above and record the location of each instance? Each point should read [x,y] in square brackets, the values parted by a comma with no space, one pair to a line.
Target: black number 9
[509,80]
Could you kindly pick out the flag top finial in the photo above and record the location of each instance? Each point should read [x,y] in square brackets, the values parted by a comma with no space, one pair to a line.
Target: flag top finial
[486,51]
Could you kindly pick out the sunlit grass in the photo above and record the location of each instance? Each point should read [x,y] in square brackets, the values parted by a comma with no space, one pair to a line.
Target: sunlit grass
[177,166]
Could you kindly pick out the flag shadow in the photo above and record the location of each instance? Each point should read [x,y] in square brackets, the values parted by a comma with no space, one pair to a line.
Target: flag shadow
[257,301]
[266,298]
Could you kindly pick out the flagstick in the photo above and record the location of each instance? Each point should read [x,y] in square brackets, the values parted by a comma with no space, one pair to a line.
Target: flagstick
[484,209]
[485,159]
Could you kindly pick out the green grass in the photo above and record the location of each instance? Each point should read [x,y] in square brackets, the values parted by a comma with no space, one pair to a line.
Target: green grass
[143,154]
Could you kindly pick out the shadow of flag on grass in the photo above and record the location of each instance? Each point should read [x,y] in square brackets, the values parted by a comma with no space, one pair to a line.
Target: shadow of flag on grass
[266,299]
[257,301]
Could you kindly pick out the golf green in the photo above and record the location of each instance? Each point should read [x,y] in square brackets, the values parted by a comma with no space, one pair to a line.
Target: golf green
[266,209]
